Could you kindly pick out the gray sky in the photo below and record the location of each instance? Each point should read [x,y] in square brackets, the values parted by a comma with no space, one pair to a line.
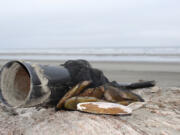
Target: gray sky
[89,23]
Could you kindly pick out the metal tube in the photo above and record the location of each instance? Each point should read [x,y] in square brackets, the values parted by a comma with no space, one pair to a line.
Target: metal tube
[25,84]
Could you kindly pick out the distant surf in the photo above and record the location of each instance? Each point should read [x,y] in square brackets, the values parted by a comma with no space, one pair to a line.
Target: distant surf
[139,54]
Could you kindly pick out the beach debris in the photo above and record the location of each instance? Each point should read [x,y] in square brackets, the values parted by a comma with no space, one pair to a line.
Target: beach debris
[81,70]
[25,84]
[134,86]
[106,93]
[66,86]
[104,108]
[114,94]
[72,103]
[97,92]
[136,105]
[72,92]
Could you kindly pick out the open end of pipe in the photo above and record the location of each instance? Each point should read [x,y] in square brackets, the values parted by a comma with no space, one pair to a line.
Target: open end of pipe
[15,84]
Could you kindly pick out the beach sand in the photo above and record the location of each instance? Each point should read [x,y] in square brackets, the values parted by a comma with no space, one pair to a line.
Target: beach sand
[158,115]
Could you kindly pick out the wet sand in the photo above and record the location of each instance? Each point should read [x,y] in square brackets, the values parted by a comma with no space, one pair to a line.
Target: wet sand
[166,74]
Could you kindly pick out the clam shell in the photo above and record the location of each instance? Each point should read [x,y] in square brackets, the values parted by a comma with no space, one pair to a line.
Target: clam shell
[97,92]
[72,92]
[71,103]
[104,108]
[136,105]
[114,94]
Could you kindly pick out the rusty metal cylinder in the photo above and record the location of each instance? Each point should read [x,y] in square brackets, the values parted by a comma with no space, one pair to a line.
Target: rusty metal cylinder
[25,84]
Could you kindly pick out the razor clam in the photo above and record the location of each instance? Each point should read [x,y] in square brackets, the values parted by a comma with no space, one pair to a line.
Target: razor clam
[79,96]
[71,103]
[114,94]
[72,92]
[104,108]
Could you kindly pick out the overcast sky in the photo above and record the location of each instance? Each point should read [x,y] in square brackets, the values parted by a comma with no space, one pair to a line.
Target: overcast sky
[89,23]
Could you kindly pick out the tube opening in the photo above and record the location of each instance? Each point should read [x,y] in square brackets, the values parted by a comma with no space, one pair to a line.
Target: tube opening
[15,84]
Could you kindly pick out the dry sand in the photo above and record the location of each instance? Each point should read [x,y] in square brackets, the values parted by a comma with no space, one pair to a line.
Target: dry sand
[160,115]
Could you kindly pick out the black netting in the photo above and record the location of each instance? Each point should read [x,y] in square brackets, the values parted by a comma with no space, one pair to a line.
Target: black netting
[81,70]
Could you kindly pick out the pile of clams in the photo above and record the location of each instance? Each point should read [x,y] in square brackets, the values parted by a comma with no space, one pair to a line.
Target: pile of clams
[105,99]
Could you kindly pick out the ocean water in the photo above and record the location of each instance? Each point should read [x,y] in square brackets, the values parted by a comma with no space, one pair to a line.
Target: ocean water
[139,54]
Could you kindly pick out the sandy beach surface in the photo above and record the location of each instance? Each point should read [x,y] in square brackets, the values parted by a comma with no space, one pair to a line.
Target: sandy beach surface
[158,115]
